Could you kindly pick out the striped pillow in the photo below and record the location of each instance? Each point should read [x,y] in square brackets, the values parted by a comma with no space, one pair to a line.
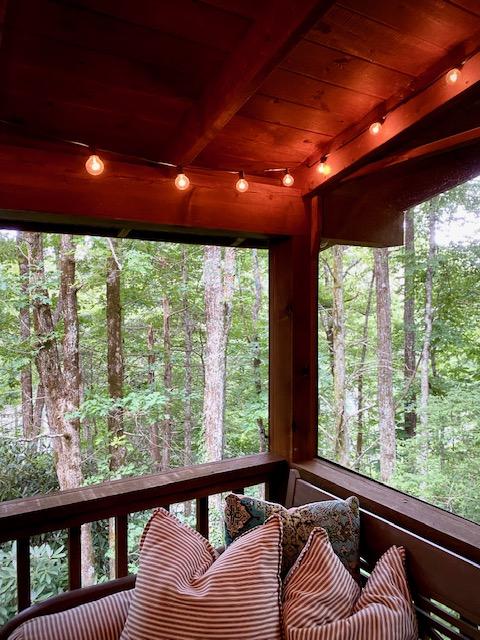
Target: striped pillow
[183,592]
[323,602]
[100,620]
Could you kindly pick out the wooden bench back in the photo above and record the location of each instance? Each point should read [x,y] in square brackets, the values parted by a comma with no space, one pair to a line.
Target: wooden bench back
[445,586]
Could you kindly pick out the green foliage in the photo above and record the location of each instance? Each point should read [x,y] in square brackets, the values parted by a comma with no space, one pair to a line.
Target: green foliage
[448,475]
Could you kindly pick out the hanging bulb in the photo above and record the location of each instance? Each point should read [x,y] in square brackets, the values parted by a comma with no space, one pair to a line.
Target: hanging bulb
[288,179]
[181,181]
[323,167]
[375,128]
[94,165]
[453,76]
[242,184]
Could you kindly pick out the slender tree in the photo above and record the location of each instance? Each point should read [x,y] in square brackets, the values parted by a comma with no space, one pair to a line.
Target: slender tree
[410,414]
[26,385]
[168,385]
[256,360]
[155,452]
[342,443]
[361,376]
[428,326]
[188,330]
[218,277]
[386,413]
[115,356]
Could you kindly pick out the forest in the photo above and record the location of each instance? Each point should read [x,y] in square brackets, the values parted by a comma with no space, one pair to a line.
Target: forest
[122,357]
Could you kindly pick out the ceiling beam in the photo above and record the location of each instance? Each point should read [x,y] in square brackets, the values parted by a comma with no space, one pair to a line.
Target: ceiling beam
[365,147]
[50,182]
[279,27]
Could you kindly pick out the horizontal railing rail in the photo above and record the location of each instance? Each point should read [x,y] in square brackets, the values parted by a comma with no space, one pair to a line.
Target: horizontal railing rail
[68,510]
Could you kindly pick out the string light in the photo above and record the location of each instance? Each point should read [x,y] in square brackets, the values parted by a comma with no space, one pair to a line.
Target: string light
[242,184]
[181,181]
[375,128]
[323,167]
[94,165]
[288,179]
[453,76]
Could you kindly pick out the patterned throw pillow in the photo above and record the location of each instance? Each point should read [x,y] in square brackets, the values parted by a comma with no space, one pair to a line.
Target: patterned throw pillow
[103,620]
[340,518]
[322,602]
[183,592]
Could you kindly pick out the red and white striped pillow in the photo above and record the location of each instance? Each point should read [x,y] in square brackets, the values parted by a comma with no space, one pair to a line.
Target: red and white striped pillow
[183,592]
[323,602]
[102,619]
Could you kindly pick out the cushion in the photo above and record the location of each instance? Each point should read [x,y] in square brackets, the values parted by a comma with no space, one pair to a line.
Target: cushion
[323,602]
[340,518]
[183,592]
[102,619]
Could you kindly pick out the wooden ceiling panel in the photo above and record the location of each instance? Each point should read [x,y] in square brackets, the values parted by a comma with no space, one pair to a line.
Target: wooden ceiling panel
[254,145]
[108,130]
[186,66]
[352,33]
[469,5]
[185,19]
[289,114]
[341,105]
[436,21]
[344,70]
[110,84]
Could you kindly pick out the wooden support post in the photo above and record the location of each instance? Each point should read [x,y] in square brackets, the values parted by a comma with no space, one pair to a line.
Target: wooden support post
[293,342]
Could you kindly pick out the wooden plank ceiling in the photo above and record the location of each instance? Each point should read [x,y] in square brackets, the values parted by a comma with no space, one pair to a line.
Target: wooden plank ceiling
[221,84]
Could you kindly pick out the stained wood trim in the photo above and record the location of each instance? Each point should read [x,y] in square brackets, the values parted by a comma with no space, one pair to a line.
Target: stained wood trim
[43,183]
[74,558]
[23,573]
[422,105]
[202,516]
[278,28]
[293,341]
[445,529]
[30,516]
[121,546]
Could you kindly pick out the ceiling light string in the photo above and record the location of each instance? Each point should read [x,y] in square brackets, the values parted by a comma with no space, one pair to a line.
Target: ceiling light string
[452,76]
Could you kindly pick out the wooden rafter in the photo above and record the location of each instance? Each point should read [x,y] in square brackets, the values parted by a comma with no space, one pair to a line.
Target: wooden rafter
[352,155]
[277,30]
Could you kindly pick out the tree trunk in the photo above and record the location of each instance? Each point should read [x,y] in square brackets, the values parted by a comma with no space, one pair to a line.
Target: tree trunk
[188,327]
[338,320]
[410,414]
[386,414]
[71,370]
[427,335]
[63,431]
[168,386]
[363,357]
[154,427]
[26,385]
[218,291]
[256,361]
[38,409]
[115,358]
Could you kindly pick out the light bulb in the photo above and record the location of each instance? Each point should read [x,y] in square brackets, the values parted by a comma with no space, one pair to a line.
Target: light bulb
[94,165]
[324,168]
[452,76]
[182,182]
[242,184]
[375,128]
[288,179]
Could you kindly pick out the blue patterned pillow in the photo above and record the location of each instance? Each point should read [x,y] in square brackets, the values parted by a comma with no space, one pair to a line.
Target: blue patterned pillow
[340,518]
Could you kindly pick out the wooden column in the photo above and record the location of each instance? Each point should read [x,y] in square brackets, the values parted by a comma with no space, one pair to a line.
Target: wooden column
[293,342]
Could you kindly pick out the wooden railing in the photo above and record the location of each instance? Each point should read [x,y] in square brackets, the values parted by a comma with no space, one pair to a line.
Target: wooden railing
[68,510]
